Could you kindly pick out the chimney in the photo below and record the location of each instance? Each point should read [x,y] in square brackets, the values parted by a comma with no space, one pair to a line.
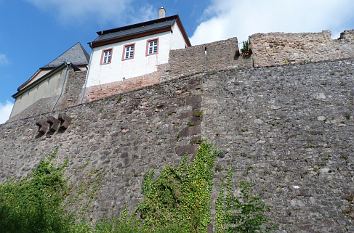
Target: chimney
[162,13]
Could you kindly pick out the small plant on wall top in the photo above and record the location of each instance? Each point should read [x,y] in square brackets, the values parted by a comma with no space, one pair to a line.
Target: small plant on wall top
[246,51]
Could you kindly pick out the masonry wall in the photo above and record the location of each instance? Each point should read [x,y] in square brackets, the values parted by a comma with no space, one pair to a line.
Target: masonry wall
[206,57]
[273,49]
[73,89]
[110,144]
[289,130]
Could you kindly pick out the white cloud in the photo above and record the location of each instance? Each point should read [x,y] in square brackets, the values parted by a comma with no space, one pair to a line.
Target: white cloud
[144,13]
[5,111]
[80,10]
[241,18]
[3,59]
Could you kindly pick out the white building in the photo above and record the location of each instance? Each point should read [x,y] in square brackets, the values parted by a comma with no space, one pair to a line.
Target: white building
[134,50]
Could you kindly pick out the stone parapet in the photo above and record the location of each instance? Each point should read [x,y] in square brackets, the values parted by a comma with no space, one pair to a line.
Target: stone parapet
[217,55]
[273,49]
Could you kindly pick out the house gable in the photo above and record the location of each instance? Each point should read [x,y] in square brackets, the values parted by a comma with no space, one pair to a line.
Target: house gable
[75,55]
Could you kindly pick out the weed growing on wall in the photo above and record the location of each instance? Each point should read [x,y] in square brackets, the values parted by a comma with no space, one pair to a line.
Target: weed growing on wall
[246,49]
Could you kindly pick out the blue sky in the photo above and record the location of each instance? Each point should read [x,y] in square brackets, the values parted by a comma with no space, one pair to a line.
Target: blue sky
[33,32]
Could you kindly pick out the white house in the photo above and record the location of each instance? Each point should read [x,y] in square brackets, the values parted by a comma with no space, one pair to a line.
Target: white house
[135,50]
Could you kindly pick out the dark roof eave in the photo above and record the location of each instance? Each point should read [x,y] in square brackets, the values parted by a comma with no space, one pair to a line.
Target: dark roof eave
[21,91]
[99,43]
[53,67]
[184,33]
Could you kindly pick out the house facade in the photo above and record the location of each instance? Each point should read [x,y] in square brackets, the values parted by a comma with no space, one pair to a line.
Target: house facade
[135,50]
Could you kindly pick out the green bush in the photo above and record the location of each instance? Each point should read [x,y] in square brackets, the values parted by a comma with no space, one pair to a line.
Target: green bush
[34,204]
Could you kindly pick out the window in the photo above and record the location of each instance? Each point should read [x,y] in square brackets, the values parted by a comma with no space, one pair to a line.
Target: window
[106,56]
[128,52]
[152,47]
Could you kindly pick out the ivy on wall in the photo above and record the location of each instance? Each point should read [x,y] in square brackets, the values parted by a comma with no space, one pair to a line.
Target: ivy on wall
[178,200]
[180,195]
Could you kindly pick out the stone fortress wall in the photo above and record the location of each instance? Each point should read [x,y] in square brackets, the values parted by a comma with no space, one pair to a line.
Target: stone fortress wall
[289,129]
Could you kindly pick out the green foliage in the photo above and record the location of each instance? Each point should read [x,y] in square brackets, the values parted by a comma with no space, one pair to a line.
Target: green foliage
[124,224]
[34,203]
[198,113]
[243,213]
[178,200]
[180,196]
[246,50]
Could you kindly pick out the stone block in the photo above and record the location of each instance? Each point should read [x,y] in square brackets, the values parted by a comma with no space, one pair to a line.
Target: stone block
[43,126]
[186,150]
[194,101]
[53,124]
[64,121]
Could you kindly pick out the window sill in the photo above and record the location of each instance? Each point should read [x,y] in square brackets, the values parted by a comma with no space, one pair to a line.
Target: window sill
[127,59]
[152,54]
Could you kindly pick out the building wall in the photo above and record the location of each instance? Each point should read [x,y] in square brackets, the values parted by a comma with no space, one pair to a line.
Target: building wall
[49,88]
[119,69]
[177,39]
[67,95]
[38,75]
[109,89]
[288,129]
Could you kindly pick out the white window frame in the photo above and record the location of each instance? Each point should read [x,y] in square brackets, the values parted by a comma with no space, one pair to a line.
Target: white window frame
[106,56]
[152,47]
[129,52]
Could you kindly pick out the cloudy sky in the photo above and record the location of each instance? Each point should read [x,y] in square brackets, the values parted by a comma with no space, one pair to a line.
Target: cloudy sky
[33,32]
